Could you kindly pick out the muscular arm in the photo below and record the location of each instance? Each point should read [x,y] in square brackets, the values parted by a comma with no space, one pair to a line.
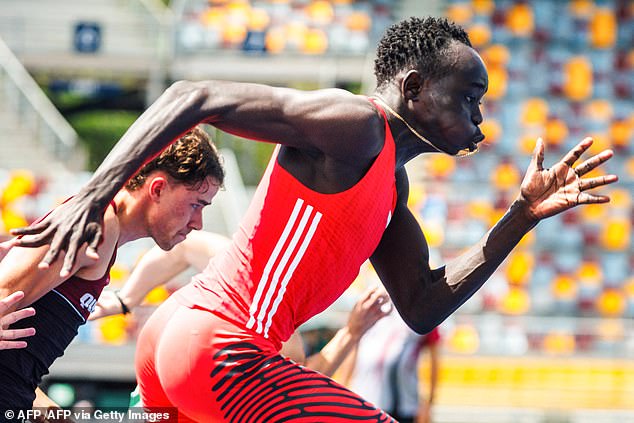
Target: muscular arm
[366,312]
[425,297]
[334,123]
[157,267]
[434,366]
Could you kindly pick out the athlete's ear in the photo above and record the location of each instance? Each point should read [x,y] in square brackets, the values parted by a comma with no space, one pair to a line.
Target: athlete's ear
[411,85]
[156,187]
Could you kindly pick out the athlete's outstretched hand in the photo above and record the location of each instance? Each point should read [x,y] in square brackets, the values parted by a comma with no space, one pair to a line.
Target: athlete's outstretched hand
[547,192]
[8,336]
[67,228]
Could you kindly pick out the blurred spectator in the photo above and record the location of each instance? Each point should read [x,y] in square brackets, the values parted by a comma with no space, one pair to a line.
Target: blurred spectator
[385,369]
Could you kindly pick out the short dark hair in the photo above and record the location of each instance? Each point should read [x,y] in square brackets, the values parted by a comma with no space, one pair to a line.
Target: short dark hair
[189,161]
[419,44]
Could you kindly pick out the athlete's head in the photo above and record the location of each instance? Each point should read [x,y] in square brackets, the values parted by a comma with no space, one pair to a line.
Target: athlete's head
[439,79]
[415,43]
[178,183]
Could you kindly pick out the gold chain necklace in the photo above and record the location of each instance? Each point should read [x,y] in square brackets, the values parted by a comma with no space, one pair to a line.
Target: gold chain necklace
[462,153]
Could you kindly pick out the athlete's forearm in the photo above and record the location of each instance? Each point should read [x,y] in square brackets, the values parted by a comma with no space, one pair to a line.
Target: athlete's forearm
[467,272]
[328,360]
[19,272]
[427,297]
[434,361]
[464,275]
[155,268]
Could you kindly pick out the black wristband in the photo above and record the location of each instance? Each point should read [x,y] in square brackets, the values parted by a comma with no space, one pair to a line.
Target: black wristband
[124,308]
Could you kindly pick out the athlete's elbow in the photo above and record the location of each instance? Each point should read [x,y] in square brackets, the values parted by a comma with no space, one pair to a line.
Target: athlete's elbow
[421,322]
[187,92]
[421,327]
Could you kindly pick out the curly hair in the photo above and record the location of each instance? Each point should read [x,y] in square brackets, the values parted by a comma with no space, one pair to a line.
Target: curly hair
[189,161]
[418,44]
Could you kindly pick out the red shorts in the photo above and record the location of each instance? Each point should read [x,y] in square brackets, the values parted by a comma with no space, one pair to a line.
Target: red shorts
[214,371]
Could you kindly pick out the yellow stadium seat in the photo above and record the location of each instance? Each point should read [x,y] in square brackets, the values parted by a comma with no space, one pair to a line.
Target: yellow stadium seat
[214,17]
[564,287]
[496,55]
[506,176]
[534,112]
[12,219]
[259,19]
[483,7]
[460,13]
[520,20]
[515,302]
[621,133]
[359,21]
[578,78]
[498,82]
[599,110]
[615,234]
[234,32]
[464,339]
[559,343]
[480,35]
[320,12]
[21,183]
[620,198]
[315,42]
[441,165]
[275,40]
[519,267]
[157,296]
[581,8]
[611,303]
[492,131]
[555,132]
[603,29]
[118,274]
[113,329]
[594,213]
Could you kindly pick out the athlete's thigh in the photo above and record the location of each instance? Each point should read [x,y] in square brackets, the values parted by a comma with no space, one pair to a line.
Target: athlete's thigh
[252,386]
[214,371]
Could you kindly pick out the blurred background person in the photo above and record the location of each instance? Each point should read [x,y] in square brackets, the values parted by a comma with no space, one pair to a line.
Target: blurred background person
[385,369]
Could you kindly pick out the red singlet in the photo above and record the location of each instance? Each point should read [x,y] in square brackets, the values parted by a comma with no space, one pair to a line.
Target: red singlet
[296,252]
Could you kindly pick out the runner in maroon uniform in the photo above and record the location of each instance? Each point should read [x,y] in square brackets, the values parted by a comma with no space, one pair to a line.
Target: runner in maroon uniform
[164,201]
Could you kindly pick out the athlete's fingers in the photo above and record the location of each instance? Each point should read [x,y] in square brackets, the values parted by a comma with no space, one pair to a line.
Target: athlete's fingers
[33,238]
[71,253]
[32,229]
[586,198]
[10,301]
[13,317]
[589,183]
[94,238]
[537,160]
[17,333]
[573,155]
[593,162]
[12,345]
